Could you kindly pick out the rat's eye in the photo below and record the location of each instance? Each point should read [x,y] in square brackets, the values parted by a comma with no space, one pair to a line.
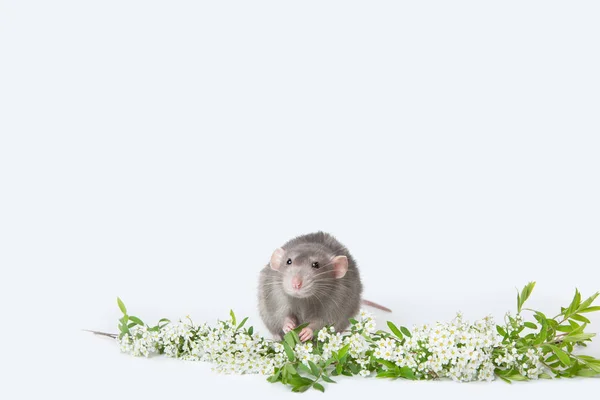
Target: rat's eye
[315,264]
[289,261]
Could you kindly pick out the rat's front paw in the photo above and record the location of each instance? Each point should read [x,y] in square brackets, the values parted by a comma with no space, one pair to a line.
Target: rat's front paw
[288,324]
[306,334]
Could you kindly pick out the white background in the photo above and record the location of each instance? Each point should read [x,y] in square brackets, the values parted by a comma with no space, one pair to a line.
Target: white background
[160,151]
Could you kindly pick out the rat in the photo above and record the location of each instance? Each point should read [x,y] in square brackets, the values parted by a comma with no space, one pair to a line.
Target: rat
[311,279]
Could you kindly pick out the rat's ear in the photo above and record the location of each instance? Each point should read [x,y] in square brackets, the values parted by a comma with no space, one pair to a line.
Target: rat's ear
[340,266]
[276,259]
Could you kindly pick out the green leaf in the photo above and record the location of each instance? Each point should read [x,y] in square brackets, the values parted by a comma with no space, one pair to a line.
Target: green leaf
[304,368]
[242,323]
[530,325]
[500,330]
[590,359]
[295,336]
[300,389]
[525,293]
[541,337]
[577,329]
[574,325]
[386,374]
[289,352]
[231,313]
[574,303]
[588,302]
[587,372]
[405,331]
[579,337]
[590,309]
[388,364]
[300,327]
[275,377]
[290,369]
[595,367]
[552,358]
[555,365]
[319,387]
[250,330]
[327,379]
[540,316]
[298,380]
[394,329]
[564,328]
[121,306]
[353,321]
[544,375]
[562,356]
[580,318]
[289,339]
[407,372]
[343,351]
[136,320]
[518,377]
[313,368]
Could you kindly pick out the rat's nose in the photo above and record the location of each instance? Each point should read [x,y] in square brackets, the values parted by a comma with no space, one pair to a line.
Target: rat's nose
[296,282]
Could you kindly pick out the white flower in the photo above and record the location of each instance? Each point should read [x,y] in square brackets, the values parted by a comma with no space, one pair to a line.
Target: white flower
[370,326]
[323,335]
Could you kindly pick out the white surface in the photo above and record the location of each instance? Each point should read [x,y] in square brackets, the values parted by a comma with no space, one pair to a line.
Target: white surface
[160,151]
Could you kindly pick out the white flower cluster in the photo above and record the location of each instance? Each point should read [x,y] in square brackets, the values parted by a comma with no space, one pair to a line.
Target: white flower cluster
[139,341]
[459,350]
[231,350]
[357,340]
[528,364]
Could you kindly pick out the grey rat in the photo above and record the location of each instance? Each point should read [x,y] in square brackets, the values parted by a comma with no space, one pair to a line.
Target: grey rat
[311,279]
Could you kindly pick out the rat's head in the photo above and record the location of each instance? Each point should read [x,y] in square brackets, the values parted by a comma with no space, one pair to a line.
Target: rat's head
[308,270]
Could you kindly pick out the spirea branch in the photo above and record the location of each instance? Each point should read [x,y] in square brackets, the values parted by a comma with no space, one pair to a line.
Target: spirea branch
[517,350]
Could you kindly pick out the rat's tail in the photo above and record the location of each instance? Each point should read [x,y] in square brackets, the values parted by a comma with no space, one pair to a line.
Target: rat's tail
[370,303]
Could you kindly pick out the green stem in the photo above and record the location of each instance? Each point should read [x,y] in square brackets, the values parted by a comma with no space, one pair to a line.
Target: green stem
[111,335]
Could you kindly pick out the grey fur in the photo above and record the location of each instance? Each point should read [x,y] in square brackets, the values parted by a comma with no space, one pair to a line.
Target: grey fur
[329,301]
